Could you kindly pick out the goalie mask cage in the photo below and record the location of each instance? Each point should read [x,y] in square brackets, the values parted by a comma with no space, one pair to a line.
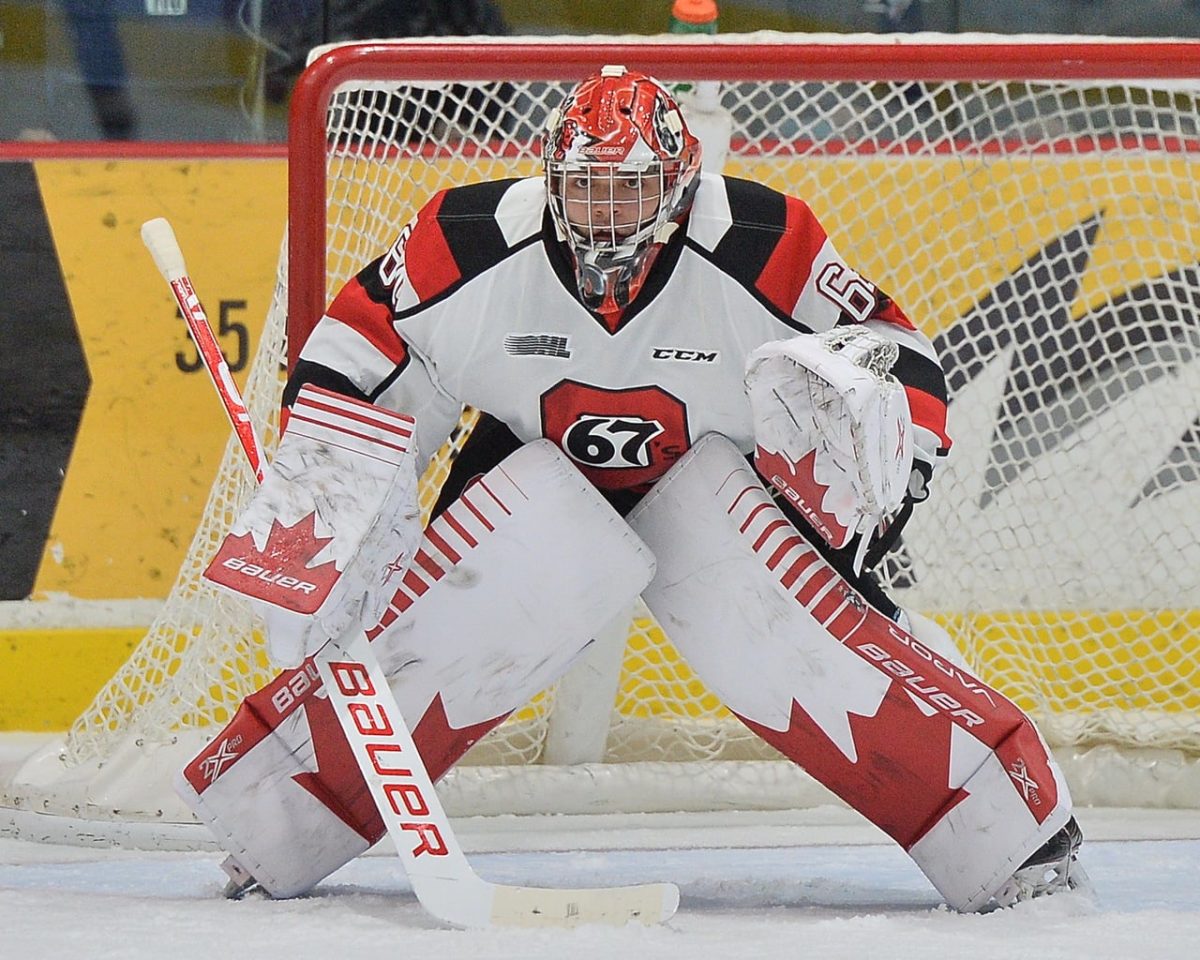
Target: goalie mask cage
[1032,203]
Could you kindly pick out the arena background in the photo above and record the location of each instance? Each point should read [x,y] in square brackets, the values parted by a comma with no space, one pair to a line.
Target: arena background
[109,433]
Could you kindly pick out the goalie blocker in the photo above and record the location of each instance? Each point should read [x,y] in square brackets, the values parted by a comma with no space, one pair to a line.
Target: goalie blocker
[500,599]
[946,766]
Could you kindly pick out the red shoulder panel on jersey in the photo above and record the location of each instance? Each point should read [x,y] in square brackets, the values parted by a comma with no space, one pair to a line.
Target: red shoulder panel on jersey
[788,268]
[430,265]
[355,307]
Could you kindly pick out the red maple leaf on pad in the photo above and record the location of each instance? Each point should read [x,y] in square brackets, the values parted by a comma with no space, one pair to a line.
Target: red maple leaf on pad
[337,781]
[900,781]
[279,573]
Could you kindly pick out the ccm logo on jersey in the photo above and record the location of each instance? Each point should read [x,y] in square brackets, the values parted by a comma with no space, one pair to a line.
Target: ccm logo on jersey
[675,353]
[267,576]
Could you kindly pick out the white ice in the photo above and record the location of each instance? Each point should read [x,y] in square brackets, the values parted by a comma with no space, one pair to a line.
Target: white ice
[816,884]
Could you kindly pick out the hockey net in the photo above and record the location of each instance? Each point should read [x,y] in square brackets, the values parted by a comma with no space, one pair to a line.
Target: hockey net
[1033,204]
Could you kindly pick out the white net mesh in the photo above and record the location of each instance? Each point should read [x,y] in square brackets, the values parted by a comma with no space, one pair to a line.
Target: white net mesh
[1046,235]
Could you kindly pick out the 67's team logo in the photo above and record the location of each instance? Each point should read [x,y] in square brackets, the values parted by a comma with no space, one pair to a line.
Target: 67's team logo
[611,441]
[618,438]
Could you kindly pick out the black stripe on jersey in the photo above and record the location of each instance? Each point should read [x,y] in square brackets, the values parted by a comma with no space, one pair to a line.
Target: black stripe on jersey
[467,217]
[369,279]
[320,376]
[759,221]
[914,369]
[456,286]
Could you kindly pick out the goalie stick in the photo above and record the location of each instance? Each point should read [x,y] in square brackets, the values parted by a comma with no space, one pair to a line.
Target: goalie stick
[443,881]
[159,239]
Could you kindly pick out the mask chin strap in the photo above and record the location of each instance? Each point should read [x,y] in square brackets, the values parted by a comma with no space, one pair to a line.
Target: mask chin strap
[601,275]
[605,279]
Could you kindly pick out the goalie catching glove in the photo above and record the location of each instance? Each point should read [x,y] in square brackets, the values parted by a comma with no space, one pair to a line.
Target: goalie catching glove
[833,431]
[323,542]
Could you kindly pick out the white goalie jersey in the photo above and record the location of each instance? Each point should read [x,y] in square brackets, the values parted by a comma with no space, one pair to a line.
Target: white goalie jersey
[476,304]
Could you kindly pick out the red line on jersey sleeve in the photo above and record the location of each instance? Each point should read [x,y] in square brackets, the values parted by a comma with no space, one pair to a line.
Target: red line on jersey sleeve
[788,268]
[929,412]
[354,307]
[427,258]
[891,313]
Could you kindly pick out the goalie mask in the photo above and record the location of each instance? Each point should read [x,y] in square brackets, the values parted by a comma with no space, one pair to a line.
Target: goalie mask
[621,171]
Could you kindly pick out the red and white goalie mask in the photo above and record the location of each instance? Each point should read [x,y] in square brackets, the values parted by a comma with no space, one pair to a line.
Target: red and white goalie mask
[621,172]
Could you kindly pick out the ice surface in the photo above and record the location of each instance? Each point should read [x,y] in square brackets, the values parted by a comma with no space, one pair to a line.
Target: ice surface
[817,885]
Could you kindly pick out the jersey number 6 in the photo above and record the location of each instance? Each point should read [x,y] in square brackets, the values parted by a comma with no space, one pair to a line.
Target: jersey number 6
[845,288]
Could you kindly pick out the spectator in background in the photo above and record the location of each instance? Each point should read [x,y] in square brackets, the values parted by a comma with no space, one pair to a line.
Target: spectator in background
[896,15]
[293,28]
[93,28]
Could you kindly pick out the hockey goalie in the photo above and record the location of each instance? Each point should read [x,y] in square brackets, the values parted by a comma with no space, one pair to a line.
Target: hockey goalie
[687,394]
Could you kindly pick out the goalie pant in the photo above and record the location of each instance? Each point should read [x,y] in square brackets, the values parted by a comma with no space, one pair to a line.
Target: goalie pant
[499,601]
[950,769]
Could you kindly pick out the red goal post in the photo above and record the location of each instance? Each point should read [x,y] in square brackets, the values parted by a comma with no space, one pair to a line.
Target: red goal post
[1032,203]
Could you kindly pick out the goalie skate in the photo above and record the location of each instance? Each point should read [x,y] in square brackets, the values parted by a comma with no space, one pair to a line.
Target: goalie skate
[1052,869]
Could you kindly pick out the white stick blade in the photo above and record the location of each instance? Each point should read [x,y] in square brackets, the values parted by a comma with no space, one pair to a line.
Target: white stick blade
[647,904]
[472,903]
[160,240]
